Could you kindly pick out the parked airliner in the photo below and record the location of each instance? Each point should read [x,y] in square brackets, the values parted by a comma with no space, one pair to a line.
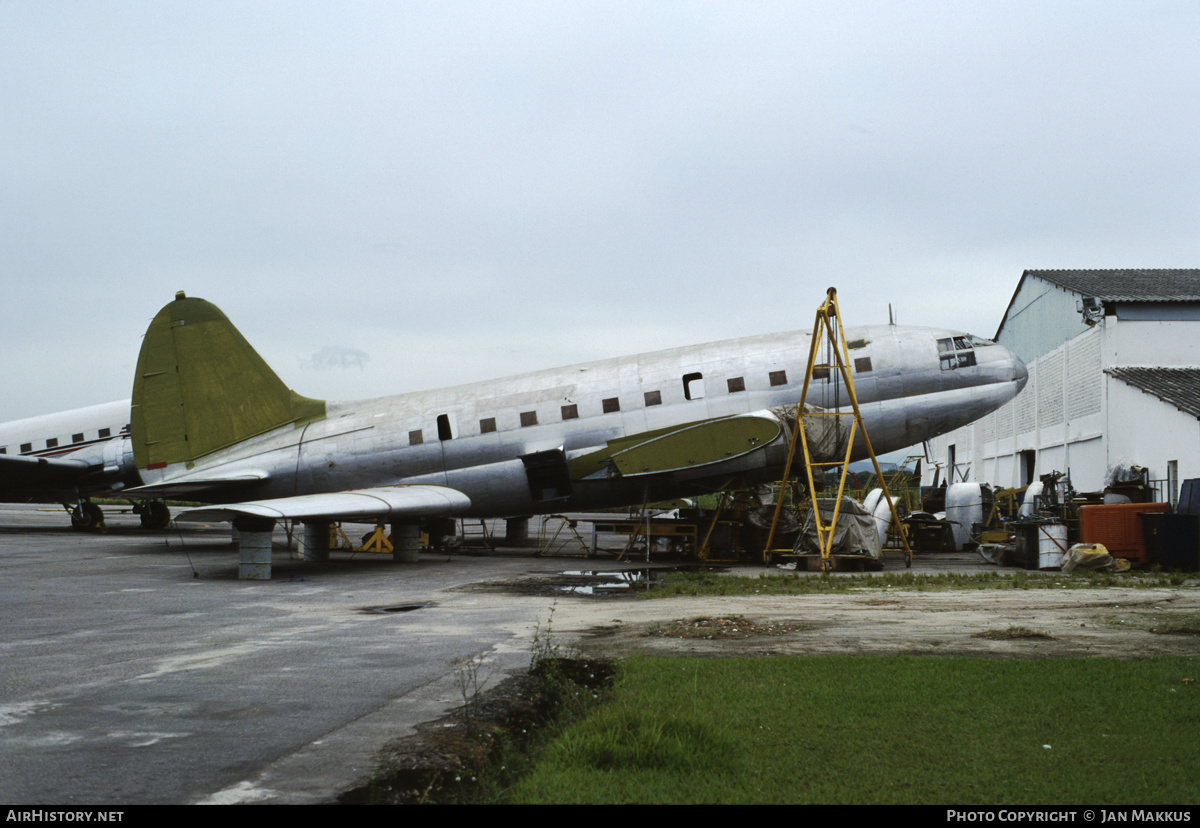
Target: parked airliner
[210,421]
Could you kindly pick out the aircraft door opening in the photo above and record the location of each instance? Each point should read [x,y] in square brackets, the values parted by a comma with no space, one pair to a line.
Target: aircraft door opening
[548,476]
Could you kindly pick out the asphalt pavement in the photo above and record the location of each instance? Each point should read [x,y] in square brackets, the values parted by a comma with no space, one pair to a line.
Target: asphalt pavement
[138,669]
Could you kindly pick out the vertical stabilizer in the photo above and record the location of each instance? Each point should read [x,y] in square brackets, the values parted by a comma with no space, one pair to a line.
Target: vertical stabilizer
[201,387]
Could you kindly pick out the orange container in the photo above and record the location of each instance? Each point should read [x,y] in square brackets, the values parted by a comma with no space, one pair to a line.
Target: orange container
[1118,526]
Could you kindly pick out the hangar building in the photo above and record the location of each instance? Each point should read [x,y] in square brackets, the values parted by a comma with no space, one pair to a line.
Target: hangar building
[1114,379]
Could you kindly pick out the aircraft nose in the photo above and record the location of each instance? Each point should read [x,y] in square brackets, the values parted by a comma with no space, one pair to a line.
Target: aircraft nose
[1020,372]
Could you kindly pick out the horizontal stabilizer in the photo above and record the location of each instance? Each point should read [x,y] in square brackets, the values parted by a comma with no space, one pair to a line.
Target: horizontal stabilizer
[195,485]
[383,502]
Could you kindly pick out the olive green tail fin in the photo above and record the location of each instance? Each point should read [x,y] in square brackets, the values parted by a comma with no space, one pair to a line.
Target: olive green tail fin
[200,387]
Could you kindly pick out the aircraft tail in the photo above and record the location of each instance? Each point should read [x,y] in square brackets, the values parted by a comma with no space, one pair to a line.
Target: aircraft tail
[201,387]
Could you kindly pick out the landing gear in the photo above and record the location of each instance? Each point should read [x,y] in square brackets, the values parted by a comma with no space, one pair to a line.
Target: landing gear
[155,515]
[87,516]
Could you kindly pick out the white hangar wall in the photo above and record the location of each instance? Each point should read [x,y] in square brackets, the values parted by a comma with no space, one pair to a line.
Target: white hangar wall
[1146,431]
[1073,416]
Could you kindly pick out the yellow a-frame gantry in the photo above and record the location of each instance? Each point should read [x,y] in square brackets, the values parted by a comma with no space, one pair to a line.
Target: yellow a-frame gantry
[828,318]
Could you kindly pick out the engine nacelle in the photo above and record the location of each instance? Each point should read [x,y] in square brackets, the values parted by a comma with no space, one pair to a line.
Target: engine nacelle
[120,469]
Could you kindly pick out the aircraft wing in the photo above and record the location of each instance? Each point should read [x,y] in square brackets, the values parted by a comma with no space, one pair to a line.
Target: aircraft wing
[382,502]
[18,472]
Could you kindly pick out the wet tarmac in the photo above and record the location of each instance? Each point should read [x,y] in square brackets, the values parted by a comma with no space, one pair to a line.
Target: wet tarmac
[138,669]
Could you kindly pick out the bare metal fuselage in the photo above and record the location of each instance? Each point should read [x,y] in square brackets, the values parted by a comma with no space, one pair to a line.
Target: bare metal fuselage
[478,439]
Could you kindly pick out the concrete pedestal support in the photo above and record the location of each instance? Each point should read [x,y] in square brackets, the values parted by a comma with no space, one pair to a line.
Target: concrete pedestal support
[255,563]
[314,542]
[406,542]
[516,531]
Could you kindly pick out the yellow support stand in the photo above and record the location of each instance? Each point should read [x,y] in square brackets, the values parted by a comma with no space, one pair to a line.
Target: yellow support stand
[377,542]
[829,318]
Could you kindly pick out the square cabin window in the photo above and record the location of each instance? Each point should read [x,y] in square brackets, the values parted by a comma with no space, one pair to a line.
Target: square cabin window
[528,418]
[736,384]
[612,404]
[862,365]
[778,378]
[821,372]
[105,432]
[487,425]
[77,438]
[570,412]
[52,442]
[653,398]
[26,448]
[415,438]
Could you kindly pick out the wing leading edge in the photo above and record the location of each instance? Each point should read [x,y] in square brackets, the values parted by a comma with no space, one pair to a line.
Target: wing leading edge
[18,472]
[383,502]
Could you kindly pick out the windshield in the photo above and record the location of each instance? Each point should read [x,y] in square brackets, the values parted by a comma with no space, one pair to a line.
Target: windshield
[959,351]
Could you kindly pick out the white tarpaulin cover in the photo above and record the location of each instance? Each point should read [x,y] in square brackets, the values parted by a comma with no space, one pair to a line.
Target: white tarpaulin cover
[855,533]
[827,435]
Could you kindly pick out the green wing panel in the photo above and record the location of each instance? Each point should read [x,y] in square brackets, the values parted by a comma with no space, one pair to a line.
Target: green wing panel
[201,387]
[683,447]
[700,445]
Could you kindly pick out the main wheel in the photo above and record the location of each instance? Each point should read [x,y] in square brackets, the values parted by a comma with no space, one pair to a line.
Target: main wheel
[87,516]
[155,515]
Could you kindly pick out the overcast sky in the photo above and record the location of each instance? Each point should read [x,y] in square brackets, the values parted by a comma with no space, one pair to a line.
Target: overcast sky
[394,196]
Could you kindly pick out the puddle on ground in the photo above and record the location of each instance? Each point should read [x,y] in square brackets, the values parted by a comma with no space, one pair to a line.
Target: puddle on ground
[619,582]
[390,610]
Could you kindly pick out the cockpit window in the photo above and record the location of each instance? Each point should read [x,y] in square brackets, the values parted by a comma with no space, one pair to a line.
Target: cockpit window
[958,351]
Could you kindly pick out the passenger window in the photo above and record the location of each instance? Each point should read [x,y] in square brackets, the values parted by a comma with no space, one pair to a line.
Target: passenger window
[653,398]
[528,418]
[736,384]
[105,432]
[570,412]
[862,365]
[77,438]
[487,425]
[611,405]
[52,443]
[26,448]
[693,386]
[415,438]
[778,378]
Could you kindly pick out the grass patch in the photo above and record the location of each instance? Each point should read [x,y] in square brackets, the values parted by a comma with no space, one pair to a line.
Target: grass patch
[724,627]
[882,730]
[1164,624]
[712,583]
[1012,634]
[1160,623]
[1183,628]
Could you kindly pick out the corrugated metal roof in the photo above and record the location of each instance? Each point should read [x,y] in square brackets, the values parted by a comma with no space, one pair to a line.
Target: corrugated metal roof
[1178,386]
[1144,285]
